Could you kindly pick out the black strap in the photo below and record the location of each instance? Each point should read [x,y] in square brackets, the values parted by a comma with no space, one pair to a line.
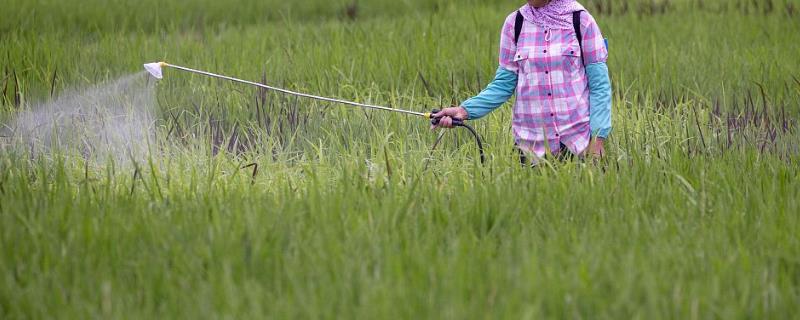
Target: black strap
[518,26]
[576,23]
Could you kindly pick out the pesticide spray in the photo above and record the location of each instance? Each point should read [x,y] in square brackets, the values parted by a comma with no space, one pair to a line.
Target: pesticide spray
[117,119]
[112,120]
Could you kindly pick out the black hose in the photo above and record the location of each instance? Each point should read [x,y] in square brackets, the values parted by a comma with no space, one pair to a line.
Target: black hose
[460,123]
[477,140]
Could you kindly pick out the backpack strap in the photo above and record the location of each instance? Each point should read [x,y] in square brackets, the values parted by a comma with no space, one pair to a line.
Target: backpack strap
[576,23]
[518,26]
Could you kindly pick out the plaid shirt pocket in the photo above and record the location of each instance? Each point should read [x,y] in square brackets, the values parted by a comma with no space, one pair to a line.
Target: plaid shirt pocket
[573,63]
[521,59]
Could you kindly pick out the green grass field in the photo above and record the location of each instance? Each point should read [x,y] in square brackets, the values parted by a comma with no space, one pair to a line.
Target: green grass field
[692,214]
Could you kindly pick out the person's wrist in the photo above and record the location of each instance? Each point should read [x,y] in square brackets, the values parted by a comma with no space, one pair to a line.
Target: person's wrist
[462,113]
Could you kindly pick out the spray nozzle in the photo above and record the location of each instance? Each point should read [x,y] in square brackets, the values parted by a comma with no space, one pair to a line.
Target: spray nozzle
[155,69]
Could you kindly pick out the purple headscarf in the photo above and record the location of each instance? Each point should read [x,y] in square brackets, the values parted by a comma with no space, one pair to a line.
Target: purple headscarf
[555,15]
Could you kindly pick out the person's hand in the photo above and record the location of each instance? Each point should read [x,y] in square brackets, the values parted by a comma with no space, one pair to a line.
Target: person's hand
[447,115]
[596,148]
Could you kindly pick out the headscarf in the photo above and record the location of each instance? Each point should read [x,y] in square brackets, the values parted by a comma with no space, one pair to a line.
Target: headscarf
[555,15]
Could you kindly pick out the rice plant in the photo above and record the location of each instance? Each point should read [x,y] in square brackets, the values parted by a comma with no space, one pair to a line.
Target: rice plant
[253,204]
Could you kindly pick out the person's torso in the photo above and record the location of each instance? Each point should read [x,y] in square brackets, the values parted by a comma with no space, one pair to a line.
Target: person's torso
[552,90]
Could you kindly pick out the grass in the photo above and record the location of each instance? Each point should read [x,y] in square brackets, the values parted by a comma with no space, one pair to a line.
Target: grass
[692,214]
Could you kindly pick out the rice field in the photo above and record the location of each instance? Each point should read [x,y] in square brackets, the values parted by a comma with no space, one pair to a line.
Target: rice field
[244,203]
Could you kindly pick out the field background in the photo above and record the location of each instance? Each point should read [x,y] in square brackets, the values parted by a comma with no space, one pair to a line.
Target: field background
[693,214]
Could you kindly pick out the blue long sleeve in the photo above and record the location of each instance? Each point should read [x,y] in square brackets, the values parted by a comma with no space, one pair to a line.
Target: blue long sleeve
[495,94]
[599,99]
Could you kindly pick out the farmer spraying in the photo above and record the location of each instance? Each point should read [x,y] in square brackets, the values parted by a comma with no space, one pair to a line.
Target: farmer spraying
[553,55]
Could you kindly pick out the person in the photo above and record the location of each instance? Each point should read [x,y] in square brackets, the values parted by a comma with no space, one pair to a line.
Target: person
[562,86]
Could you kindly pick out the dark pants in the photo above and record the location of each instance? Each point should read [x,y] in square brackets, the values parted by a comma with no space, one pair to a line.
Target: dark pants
[563,154]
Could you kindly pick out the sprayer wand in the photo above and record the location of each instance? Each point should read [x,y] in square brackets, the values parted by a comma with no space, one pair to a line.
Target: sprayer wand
[155,69]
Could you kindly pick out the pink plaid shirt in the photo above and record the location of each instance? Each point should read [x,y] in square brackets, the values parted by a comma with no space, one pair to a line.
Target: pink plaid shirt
[552,105]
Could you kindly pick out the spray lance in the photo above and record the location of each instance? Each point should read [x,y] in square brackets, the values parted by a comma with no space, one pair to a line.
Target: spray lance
[155,69]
